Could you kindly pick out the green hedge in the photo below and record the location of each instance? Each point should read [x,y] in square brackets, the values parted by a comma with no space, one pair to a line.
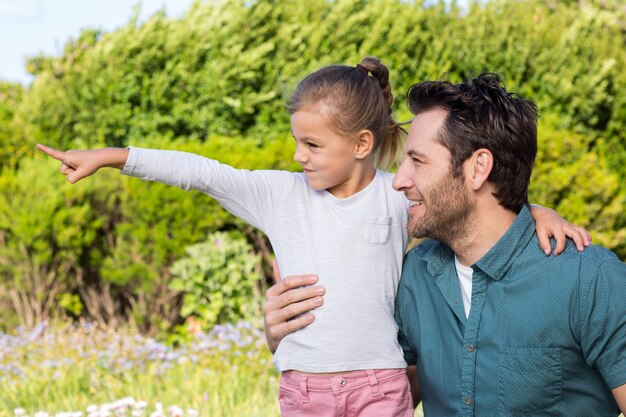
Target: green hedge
[215,82]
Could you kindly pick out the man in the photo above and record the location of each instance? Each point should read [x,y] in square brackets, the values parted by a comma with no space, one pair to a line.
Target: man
[490,325]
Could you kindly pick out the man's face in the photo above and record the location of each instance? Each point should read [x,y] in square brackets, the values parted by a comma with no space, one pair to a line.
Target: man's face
[440,202]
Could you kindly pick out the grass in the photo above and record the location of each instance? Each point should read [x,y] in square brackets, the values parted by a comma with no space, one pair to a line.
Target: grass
[64,368]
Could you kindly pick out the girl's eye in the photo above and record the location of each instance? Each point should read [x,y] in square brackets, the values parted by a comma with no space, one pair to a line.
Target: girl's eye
[313,145]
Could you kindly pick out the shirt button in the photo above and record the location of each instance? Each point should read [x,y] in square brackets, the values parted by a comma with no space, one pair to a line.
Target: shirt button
[468,401]
[342,382]
[470,348]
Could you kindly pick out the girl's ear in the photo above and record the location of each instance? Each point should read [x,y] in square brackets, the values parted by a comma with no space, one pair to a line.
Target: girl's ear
[364,144]
[479,167]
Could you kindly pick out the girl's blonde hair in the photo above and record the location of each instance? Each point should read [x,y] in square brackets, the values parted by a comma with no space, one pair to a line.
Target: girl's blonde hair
[353,99]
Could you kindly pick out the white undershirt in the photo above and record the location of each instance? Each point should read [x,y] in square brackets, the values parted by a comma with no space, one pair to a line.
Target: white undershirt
[464,274]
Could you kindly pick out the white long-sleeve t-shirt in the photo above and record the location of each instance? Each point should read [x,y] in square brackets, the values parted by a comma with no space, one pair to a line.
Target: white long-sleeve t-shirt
[355,245]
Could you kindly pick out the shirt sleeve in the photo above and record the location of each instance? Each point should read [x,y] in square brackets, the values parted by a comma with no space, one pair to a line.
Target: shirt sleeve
[253,196]
[603,319]
[401,310]
[409,354]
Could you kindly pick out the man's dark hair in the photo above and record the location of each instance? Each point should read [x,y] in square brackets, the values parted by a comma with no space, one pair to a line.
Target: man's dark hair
[482,114]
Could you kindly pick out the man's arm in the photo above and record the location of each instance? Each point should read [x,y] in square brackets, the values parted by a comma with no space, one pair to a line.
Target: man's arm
[620,396]
[411,373]
[288,304]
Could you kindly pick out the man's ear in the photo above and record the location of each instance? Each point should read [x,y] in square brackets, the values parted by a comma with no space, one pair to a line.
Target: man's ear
[364,144]
[479,167]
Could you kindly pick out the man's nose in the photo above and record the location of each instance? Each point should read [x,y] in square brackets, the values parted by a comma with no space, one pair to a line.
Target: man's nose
[401,181]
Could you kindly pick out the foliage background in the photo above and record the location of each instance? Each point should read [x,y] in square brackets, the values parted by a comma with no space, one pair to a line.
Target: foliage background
[215,82]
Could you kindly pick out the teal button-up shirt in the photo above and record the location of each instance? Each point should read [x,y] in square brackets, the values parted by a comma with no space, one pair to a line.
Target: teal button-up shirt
[546,336]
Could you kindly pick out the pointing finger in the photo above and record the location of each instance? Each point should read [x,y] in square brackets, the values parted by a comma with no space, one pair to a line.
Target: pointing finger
[55,153]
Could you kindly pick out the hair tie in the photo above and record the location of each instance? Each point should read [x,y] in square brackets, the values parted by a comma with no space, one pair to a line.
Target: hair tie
[363,69]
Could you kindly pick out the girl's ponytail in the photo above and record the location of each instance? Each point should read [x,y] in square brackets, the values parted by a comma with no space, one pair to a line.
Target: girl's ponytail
[390,143]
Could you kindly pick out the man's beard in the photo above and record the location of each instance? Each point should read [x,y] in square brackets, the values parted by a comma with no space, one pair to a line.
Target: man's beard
[447,207]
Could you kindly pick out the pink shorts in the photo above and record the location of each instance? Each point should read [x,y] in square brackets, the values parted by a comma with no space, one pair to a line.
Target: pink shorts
[371,393]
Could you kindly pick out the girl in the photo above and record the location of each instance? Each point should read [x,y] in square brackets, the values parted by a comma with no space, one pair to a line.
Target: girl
[339,219]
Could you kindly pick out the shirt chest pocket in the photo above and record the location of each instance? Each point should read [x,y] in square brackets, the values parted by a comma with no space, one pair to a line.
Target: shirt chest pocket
[530,381]
[377,229]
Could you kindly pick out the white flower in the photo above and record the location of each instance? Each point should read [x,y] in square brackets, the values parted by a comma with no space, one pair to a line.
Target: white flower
[129,401]
[140,405]
[175,411]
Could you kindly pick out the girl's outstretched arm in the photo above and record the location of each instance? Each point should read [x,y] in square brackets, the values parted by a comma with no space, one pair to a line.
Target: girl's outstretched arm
[77,165]
[254,196]
[550,224]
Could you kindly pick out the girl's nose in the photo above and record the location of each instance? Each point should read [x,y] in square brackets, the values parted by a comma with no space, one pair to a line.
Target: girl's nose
[299,156]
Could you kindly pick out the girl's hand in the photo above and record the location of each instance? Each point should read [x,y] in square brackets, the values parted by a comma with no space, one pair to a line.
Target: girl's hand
[80,164]
[550,224]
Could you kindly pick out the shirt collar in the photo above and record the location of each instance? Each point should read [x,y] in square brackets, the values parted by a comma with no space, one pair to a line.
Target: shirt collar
[500,257]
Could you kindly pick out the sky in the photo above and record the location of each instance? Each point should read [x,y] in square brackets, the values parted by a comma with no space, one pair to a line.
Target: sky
[33,27]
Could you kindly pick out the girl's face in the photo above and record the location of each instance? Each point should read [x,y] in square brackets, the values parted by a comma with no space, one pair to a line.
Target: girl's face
[327,159]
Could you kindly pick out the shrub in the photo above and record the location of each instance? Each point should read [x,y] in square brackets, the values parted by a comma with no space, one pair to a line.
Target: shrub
[220,280]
